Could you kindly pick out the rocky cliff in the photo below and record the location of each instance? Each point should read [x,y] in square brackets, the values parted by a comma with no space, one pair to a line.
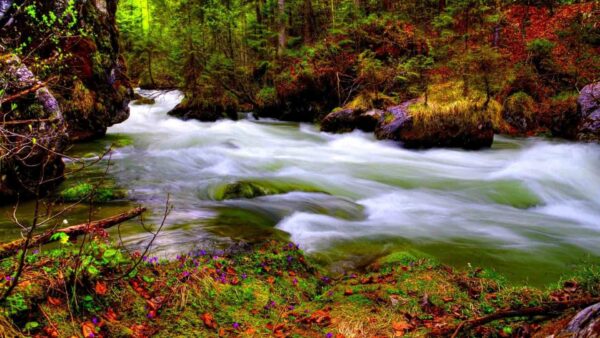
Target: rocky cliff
[62,80]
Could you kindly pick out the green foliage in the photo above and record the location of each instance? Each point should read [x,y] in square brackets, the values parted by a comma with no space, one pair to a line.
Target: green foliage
[85,191]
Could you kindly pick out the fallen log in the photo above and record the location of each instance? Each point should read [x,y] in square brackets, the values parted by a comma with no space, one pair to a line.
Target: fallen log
[11,248]
[542,310]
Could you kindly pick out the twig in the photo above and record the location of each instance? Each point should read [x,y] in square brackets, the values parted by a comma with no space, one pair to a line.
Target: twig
[546,309]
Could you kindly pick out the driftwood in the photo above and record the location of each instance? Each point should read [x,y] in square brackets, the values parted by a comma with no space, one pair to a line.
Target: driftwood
[9,249]
[542,310]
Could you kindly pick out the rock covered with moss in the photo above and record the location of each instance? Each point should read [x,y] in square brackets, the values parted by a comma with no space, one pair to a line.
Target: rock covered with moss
[74,47]
[62,78]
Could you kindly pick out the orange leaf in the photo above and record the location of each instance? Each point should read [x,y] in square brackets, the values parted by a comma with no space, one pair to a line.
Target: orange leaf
[88,329]
[400,328]
[54,301]
[111,315]
[100,288]
[208,320]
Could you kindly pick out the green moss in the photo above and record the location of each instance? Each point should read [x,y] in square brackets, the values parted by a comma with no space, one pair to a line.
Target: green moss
[400,257]
[83,191]
[253,189]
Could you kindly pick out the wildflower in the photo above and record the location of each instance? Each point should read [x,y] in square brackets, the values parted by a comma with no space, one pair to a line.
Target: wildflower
[289,259]
[65,222]
[186,274]
[295,281]
[244,276]
[329,335]
[202,252]
[8,278]
[291,307]
[236,326]
[95,320]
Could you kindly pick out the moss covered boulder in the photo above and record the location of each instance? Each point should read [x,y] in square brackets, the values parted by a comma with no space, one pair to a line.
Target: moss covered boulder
[347,120]
[253,189]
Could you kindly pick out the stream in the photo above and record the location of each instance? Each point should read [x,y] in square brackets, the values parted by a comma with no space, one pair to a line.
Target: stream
[527,208]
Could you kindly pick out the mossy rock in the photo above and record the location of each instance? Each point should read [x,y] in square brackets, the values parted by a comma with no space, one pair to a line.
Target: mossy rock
[144,101]
[253,189]
[83,191]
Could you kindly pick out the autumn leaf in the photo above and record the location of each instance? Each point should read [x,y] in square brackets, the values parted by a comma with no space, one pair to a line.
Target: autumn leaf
[101,288]
[54,301]
[208,320]
[400,328]
[88,329]
[111,316]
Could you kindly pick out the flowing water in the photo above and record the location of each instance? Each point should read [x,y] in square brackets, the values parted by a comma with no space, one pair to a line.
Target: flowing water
[528,208]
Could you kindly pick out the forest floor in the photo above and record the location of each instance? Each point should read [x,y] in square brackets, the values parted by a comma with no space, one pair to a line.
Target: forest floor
[267,289]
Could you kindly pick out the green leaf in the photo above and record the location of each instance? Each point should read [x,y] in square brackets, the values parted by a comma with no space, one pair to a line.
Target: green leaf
[31,325]
[110,253]
[61,237]
[93,271]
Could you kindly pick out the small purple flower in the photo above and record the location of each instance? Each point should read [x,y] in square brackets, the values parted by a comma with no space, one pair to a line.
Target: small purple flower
[289,259]
[291,307]
[8,278]
[329,335]
[330,293]
[186,274]
[295,281]
[202,252]
[35,252]
[244,276]
[95,320]
[236,326]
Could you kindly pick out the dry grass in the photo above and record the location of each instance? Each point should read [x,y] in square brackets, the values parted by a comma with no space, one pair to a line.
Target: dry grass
[369,100]
[447,106]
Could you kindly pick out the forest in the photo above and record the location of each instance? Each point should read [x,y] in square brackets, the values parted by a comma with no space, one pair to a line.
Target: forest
[300,168]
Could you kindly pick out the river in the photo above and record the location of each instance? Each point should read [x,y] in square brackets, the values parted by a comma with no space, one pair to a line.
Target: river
[527,208]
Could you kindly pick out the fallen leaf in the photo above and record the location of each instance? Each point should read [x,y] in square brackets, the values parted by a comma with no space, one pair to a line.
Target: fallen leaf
[208,320]
[88,329]
[54,301]
[101,288]
[111,316]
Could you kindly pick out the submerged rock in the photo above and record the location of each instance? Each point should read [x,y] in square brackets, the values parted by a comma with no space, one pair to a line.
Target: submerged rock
[253,189]
[588,107]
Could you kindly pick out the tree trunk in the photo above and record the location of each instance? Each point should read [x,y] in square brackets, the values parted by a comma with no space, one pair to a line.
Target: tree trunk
[282,32]
[309,21]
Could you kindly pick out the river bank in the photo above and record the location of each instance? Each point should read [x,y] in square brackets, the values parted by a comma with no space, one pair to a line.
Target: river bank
[267,289]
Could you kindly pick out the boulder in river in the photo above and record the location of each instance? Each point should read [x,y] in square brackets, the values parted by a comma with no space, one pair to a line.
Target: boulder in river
[439,130]
[346,120]
[253,189]
[588,106]
[203,113]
